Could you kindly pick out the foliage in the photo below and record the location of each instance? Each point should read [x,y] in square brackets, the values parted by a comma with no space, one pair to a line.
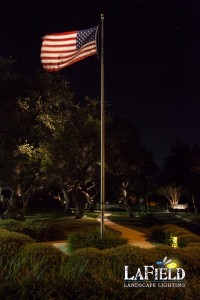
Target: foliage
[39,231]
[79,277]
[87,258]
[12,225]
[165,232]
[185,239]
[110,239]
[49,256]
[42,231]
[11,243]
[55,140]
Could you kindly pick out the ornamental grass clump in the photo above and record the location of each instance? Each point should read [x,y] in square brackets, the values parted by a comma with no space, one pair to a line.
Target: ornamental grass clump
[12,225]
[93,239]
[11,243]
[39,231]
[42,231]
[48,256]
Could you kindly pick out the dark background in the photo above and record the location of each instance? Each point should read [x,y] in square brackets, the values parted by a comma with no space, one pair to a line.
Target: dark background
[152,59]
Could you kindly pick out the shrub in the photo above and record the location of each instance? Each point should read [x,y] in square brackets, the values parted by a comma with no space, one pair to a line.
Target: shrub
[157,231]
[165,232]
[91,274]
[185,239]
[40,231]
[12,225]
[47,256]
[86,260]
[43,232]
[11,243]
[93,239]
[194,245]
[189,259]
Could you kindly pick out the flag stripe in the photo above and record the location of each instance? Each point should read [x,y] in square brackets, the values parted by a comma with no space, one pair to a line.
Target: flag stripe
[63,49]
[53,53]
[62,60]
[61,63]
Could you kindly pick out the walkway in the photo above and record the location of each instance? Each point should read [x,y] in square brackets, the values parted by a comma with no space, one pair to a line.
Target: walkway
[135,237]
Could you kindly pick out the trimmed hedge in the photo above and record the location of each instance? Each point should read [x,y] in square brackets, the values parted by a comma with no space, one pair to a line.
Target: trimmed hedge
[11,243]
[12,225]
[164,234]
[40,231]
[86,260]
[93,274]
[43,232]
[185,239]
[48,256]
[93,239]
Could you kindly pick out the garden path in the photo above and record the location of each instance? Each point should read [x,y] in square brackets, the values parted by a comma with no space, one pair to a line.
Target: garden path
[134,237]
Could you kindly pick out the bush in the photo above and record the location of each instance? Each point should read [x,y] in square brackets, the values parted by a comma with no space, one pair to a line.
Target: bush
[86,260]
[47,256]
[91,274]
[40,231]
[93,239]
[11,225]
[164,234]
[194,245]
[185,239]
[189,259]
[11,243]
[158,232]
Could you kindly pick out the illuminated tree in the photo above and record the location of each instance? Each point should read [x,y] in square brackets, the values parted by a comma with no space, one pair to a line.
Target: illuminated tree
[63,135]
[172,193]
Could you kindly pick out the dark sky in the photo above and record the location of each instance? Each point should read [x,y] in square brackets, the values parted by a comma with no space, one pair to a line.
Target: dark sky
[152,59]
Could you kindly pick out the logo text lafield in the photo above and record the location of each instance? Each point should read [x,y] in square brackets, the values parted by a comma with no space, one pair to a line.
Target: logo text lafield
[157,274]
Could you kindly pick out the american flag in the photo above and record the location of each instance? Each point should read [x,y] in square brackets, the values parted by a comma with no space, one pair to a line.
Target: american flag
[60,50]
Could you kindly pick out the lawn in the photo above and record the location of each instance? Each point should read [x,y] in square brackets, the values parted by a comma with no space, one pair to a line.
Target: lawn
[68,222]
[141,221]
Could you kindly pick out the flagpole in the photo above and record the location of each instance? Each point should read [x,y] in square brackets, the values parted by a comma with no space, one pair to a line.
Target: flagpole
[102,129]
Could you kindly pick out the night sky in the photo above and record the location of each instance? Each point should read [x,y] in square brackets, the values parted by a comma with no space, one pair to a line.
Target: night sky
[152,59]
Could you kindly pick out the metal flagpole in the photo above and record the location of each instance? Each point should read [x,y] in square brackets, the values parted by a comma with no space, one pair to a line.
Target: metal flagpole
[102,129]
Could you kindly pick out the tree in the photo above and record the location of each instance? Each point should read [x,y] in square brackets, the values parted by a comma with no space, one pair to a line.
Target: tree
[12,86]
[172,193]
[177,166]
[182,169]
[194,178]
[128,163]
[63,139]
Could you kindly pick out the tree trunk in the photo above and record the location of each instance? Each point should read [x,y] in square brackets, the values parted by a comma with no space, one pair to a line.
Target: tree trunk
[128,207]
[124,198]
[25,199]
[196,210]
[11,208]
[89,200]
[79,209]
[66,201]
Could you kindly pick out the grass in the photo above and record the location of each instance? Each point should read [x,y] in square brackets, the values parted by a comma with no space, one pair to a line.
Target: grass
[140,221]
[69,222]
[189,216]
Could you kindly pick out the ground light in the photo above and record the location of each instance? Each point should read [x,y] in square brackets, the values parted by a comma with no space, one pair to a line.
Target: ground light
[174,242]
